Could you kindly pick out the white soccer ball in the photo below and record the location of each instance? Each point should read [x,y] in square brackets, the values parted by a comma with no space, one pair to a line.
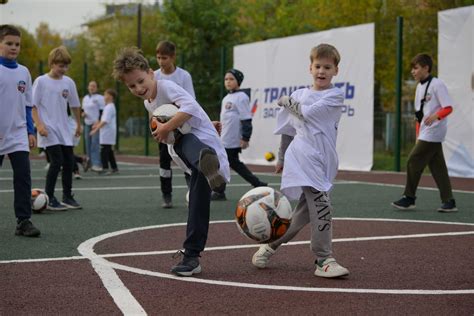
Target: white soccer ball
[39,200]
[263,214]
[163,114]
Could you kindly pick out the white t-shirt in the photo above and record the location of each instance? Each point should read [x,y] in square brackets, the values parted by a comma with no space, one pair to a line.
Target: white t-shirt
[311,158]
[108,132]
[51,98]
[92,105]
[235,108]
[15,95]
[181,77]
[201,126]
[436,98]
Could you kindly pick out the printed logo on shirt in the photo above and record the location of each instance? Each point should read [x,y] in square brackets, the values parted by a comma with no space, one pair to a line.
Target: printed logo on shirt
[21,86]
[65,93]
[228,106]
[428,97]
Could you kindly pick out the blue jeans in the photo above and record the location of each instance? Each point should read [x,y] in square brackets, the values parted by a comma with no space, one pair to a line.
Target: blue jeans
[92,146]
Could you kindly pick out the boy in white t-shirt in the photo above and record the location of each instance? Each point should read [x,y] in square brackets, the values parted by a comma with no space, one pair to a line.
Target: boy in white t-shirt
[166,58]
[199,152]
[15,137]
[432,105]
[108,133]
[236,121]
[52,92]
[92,106]
[308,124]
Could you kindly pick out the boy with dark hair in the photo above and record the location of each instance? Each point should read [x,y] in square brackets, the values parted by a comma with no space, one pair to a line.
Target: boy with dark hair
[166,58]
[308,125]
[16,128]
[432,105]
[108,133]
[236,121]
[52,92]
[199,151]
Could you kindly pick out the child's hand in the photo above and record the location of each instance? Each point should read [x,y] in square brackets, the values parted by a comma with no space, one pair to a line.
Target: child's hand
[78,131]
[93,131]
[161,132]
[42,130]
[431,119]
[244,144]
[32,140]
[217,126]
[278,167]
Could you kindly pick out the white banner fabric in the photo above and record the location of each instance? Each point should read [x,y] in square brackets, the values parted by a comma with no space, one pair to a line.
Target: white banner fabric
[278,67]
[456,69]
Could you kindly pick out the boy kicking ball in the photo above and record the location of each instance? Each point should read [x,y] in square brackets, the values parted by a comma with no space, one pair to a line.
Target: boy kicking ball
[200,150]
[308,125]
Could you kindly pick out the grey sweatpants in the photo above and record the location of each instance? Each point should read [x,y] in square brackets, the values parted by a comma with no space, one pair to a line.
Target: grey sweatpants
[313,207]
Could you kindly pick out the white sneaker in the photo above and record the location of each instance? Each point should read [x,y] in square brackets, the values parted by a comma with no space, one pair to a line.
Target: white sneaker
[96,168]
[261,257]
[47,166]
[329,268]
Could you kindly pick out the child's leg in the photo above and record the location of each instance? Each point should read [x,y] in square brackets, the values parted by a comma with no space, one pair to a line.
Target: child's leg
[299,220]
[166,173]
[320,214]
[113,163]
[188,149]
[68,165]
[419,157]
[95,150]
[439,171]
[241,168]
[104,156]
[87,139]
[55,155]
[21,184]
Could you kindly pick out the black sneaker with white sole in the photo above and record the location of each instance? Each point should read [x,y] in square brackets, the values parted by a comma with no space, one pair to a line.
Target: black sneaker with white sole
[70,203]
[448,207]
[209,166]
[54,205]
[405,203]
[27,229]
[187,266]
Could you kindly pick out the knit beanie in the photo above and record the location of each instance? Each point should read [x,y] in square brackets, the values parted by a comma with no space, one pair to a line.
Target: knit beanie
[239,76]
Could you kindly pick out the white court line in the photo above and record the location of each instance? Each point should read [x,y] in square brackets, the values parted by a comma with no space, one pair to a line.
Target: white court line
[123,297]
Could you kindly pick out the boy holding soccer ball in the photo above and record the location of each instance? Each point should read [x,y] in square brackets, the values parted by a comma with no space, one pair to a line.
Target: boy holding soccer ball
[308,125]
[16,128]
[199,151]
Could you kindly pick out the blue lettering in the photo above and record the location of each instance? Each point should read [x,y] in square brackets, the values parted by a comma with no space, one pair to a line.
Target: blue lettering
[283,92]
[270,112]
[266,90]
[350,90]
[273,94]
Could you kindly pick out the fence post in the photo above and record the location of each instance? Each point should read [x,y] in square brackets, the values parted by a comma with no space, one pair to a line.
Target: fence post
[117,107]
[84,89]
[223,69]
[398,91]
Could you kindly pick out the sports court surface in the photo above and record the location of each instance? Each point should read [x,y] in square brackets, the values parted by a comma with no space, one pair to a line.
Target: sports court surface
[114,256]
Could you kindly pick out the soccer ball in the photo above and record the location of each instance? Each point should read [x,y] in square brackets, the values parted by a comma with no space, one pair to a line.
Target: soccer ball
[163,114]
[263,214]
[39,200]
[269,156]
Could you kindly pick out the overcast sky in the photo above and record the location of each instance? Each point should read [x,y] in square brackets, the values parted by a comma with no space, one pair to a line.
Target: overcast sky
[63,16]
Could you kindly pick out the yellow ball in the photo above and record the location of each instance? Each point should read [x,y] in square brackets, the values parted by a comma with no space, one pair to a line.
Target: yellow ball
[269,156]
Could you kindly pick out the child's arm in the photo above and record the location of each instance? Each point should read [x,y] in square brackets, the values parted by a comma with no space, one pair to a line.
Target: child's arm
[77,116]
[441,114]
[284,143]
[161,133]
[97,127]
[246,133]
[39,124]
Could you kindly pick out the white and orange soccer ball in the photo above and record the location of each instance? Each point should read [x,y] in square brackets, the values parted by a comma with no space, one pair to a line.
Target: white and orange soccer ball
[163,114]
[39,200]
[263,214]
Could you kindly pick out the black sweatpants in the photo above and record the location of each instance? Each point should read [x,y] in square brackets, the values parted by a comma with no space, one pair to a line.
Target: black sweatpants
[188,149]
[166,173]
[62,159]
[107,155]
[20,163]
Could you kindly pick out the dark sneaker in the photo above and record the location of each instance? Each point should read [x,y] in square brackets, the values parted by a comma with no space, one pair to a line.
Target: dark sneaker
[27,229]
[114,171]
[187,266]
[209,166]
[54,205]
[216,196]
[405,203]
[70,203]
[448,207]
[167,202]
